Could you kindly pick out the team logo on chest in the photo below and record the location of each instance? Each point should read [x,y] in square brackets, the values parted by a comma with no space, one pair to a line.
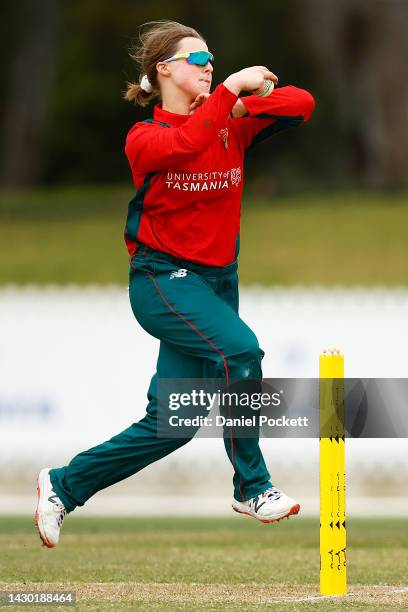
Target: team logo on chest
[223,134]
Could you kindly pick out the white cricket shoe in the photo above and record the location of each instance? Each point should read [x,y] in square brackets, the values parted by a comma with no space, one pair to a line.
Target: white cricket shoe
[270,506]
[50,512]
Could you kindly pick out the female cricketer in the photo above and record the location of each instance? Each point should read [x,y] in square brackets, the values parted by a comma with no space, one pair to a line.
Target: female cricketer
[182,234]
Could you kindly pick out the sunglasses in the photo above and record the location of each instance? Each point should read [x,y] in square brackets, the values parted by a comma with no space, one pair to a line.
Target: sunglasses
[199,58]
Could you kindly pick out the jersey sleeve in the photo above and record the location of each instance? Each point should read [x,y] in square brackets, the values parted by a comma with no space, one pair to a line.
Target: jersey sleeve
[151,147]
[284,108]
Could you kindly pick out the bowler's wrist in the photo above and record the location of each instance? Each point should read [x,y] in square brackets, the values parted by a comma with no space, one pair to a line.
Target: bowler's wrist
[232,84]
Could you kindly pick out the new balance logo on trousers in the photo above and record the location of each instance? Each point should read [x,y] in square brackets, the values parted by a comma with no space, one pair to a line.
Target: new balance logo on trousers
[178,273]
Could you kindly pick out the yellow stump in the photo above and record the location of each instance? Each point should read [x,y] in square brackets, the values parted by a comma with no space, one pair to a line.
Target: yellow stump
[332,475]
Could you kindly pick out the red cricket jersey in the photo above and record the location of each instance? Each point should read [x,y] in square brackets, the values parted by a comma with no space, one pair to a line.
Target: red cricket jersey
[188,172]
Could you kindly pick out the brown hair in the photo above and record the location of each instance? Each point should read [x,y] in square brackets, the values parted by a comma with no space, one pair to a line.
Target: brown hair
[158,41]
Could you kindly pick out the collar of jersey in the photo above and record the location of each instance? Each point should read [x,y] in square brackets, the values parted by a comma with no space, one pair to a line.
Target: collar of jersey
[164,116]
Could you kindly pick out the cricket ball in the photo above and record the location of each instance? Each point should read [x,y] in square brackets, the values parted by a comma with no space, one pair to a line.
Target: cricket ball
[265,90]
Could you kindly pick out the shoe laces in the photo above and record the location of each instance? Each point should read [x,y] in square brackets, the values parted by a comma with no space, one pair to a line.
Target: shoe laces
[273,493]
[61,512]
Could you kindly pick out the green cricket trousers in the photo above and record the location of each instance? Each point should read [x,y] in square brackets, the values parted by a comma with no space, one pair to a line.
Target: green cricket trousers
[193,310]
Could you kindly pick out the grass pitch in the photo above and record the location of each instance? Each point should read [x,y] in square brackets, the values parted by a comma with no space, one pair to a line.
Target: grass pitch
[75,235]
[205,564]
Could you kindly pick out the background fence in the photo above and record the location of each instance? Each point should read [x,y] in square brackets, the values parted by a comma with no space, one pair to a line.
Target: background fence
[75,370]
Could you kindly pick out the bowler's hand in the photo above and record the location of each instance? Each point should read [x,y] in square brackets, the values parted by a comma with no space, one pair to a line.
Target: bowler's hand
[200,99]
[239,109]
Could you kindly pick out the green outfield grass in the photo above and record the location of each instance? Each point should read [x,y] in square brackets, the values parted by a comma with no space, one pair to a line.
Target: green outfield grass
[76,236]
[205,564]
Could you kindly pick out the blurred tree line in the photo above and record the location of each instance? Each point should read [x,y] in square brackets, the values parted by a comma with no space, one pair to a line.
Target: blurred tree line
[65,65]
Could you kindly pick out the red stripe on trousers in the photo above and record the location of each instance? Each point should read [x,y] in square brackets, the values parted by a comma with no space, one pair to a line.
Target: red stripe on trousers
[212,345]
